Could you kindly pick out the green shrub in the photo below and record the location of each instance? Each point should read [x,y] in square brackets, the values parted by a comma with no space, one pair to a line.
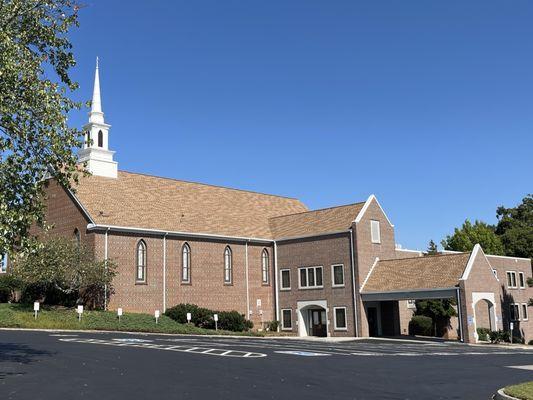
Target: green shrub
[483,334]
[233,321]
[530,342]
[272,326]
[203,318]
[499,336]
[8,285]
[518,339]
[421,325]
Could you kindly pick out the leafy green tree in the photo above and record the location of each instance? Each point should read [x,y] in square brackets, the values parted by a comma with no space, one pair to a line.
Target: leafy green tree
[35,140]
[440,311]
[515,228]
[466,237]
[432,248]
[60,268]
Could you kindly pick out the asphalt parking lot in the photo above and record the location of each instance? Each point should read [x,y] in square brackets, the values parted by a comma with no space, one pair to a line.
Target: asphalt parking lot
[62,365]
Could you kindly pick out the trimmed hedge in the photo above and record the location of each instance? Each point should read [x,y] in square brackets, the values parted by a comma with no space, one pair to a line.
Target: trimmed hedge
[483,334]
[421,325]
[203,318]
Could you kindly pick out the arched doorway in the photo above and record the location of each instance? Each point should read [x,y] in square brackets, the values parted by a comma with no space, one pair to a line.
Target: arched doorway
[313,318]
[484,309]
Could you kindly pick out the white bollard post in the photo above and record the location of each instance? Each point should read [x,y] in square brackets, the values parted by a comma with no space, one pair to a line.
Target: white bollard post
[189,317]
[36,308]
[119,313]
[156,315]
[215,317]
[79,311]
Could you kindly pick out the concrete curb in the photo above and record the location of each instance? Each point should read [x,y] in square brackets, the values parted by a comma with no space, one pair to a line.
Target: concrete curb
[500,395]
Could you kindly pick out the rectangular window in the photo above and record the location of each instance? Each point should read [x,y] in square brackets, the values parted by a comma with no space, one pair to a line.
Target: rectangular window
[375,232]
[286,321]
[3,263]
[311,277]
[514,312]
[340,318]
[337,275]
[525,317]
[285,279]
[521,280]
[511,279]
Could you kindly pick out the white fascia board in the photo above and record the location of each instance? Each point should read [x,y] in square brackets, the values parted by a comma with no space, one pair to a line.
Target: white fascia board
[131,229]
[311,236]
[369,273]
[365,207]
[470,264]
[508,257]
[78,203]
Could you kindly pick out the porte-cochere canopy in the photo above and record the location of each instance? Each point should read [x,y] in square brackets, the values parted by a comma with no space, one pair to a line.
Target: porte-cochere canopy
[415,278]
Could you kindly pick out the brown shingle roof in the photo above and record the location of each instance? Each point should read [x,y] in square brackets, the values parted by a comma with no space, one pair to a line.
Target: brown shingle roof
[431,272]
[142,201]
[317,222]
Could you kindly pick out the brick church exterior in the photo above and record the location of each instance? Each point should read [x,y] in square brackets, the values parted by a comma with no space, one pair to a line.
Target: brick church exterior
[328,272]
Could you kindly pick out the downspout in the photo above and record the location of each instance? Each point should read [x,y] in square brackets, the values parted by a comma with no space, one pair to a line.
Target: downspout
[459,311]
[165,272]
[247,289]
[276,278]
[356,325]
[105,267]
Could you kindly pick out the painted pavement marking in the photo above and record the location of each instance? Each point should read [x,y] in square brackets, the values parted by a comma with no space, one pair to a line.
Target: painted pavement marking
[302,353]
[178,348]
[526,367]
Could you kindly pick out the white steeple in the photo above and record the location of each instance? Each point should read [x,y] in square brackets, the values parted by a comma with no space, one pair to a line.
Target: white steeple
[95,151]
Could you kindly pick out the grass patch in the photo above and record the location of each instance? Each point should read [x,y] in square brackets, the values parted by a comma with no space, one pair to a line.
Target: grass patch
[522,391]
[22,316]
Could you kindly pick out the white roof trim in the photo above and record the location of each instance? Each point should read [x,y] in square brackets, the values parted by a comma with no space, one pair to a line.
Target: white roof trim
[470,264]
[508,257]
[365,207]
[369,273]
[282,239]
[78,203]
[175,233]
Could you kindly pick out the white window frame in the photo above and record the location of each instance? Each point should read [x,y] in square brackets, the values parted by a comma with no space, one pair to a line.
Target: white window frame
[333,276]
[335,327]
[375,240]
[281,279]
[517,314]
[265,267]
[186,250]
[512,274]
[283,327]
[525,314]
[315,286]
[3,263]
[141,266]
[228,266]
[521,280]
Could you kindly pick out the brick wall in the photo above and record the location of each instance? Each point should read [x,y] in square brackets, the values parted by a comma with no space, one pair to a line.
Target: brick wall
[322,251]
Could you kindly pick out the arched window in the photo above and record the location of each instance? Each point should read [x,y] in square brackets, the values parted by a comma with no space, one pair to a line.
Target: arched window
[228,265]
[100,139]
[140,275]
[186,263]
[77,237]
[265,263]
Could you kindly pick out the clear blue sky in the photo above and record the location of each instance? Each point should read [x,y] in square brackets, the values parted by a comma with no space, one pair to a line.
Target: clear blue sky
[428,105]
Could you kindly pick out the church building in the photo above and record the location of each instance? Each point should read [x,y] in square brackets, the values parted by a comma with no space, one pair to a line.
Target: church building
[329,272]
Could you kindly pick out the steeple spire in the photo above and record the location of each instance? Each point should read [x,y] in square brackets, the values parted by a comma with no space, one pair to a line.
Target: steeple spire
[96,114]
[95,152]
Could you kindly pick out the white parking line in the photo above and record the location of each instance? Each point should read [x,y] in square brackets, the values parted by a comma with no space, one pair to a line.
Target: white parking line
[183,349]
[526,367]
